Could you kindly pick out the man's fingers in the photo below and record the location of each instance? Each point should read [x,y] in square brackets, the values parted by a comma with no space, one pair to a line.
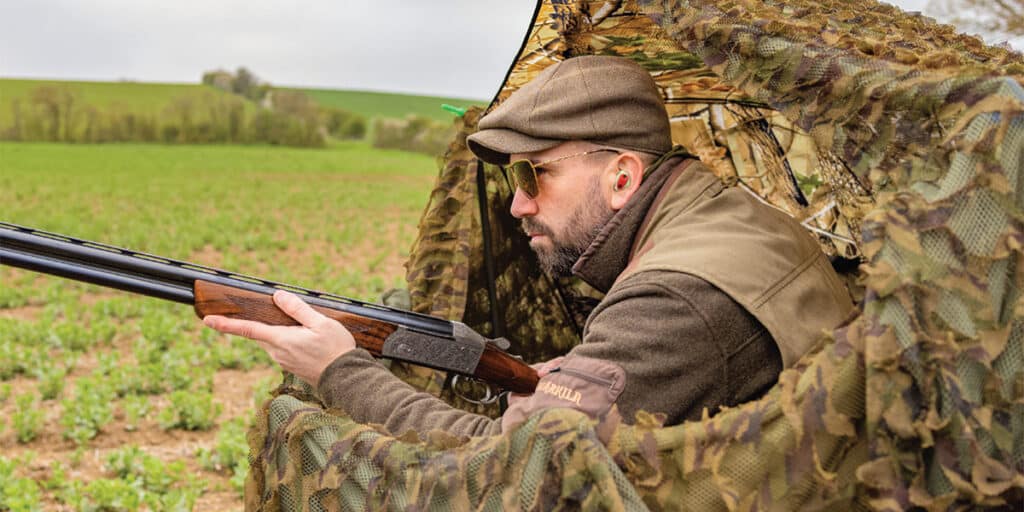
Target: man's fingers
[547,366]
[297,309]
[245,328]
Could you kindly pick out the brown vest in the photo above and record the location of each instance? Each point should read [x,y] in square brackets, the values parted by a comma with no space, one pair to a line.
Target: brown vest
[758,255]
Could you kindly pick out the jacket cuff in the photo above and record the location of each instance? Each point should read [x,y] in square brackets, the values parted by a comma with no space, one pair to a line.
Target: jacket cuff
[356,364]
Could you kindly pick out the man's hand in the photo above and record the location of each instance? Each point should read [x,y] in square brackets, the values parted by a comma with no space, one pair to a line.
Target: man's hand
[306,349]
[543,369]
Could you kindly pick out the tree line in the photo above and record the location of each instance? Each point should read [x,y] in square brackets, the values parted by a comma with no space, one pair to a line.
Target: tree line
[414,133]
[251,112]
[57,114]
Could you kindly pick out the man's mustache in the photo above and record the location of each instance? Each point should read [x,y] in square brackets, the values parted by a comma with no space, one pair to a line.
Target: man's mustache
[531,226]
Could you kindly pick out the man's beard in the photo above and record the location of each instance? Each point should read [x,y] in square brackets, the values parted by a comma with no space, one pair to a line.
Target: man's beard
[583,226]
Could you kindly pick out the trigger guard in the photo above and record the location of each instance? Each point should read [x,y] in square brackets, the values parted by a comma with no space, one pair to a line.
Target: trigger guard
[489,399]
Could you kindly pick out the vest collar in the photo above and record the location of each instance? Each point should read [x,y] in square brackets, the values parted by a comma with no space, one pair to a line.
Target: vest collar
[609,253]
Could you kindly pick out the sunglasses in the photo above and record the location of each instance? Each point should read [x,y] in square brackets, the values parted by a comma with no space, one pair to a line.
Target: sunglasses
[523,173]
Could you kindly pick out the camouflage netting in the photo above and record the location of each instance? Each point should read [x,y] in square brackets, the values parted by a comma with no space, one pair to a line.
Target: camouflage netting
[897,141]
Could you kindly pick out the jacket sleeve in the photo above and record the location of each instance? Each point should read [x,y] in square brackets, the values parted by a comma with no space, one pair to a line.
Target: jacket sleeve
[663,342]
[356,383]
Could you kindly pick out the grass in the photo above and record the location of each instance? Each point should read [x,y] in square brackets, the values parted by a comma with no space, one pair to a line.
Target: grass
[244,202]
[379,104]
[143,372]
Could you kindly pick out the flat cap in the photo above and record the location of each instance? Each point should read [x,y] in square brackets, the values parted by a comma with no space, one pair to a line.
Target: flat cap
[600,99]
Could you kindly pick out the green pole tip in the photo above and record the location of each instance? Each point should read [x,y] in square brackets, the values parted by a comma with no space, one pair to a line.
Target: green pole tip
[453,109]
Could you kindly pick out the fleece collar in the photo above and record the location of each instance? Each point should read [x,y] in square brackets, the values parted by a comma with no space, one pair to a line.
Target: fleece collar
[608,255]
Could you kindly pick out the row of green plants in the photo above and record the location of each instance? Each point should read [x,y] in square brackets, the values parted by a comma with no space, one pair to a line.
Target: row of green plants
[167,357]
[147,362]
[133,480]
[333,220]
[52,113]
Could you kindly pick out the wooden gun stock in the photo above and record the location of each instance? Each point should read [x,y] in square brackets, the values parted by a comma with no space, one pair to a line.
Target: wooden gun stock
[495,366]
[218,299]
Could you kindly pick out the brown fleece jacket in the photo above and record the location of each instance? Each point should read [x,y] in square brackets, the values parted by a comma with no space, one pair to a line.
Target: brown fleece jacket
[665,342]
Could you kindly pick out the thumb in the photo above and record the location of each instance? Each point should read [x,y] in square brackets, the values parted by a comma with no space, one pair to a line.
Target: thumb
[296,308]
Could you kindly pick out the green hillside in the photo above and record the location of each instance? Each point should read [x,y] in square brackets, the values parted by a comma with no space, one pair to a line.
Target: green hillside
[137,97]
[153,98]
[382,104]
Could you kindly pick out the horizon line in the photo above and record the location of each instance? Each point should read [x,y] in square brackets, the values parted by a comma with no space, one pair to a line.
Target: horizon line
[277,86]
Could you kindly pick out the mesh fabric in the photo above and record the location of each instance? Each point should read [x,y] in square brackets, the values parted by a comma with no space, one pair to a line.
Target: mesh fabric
[903,139]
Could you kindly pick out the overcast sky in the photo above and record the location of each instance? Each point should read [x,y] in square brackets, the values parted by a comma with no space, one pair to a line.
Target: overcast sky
[459,48]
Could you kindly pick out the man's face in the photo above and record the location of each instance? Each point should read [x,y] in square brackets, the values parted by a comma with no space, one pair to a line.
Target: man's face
[569,208]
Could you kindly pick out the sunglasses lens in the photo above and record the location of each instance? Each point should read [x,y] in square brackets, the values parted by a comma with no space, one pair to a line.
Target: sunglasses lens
[523,176]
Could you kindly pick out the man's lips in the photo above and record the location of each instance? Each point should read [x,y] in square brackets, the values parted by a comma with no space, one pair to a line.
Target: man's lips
[534,232]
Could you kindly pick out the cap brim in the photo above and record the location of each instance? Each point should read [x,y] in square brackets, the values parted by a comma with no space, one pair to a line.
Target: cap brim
[494,145]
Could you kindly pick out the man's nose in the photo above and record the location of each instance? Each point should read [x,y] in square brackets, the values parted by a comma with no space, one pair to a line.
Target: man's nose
[522,204]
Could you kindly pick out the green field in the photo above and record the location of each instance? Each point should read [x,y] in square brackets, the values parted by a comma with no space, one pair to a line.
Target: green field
[106,397]
[152,98]
[379,104]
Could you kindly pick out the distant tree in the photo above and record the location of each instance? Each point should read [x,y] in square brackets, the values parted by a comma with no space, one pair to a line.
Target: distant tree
[354,128]
[17,129]
[92,128]
[293,103]
[249,85]
[993,20]
[236,120]
[243,83]
[68,115]
[244,80]
[342,124]
[181,112]
[414,133]
[54,107]
[300,116]
[220,79]
[260,92]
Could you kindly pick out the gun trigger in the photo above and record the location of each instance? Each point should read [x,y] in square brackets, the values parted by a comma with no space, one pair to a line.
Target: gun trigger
[501,343]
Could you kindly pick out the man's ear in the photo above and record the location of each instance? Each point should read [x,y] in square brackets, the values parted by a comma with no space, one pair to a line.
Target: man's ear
[625,179]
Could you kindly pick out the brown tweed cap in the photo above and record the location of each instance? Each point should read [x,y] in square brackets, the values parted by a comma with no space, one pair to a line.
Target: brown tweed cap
[601,99]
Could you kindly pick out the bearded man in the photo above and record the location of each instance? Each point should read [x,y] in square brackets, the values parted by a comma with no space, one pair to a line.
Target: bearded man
[709,292]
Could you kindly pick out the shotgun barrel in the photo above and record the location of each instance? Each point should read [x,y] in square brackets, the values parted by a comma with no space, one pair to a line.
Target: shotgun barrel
[383,331]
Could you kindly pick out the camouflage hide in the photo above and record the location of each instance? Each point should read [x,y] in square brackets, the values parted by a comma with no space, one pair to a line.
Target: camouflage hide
[896,140]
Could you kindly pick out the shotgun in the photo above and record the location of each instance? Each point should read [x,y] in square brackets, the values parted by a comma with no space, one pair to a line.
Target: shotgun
[383,331]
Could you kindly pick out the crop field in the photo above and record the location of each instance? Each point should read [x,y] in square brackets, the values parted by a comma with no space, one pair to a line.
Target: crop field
[112,401]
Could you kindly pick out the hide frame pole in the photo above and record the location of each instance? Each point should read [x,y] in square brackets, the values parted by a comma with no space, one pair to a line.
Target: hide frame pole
[497,325]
